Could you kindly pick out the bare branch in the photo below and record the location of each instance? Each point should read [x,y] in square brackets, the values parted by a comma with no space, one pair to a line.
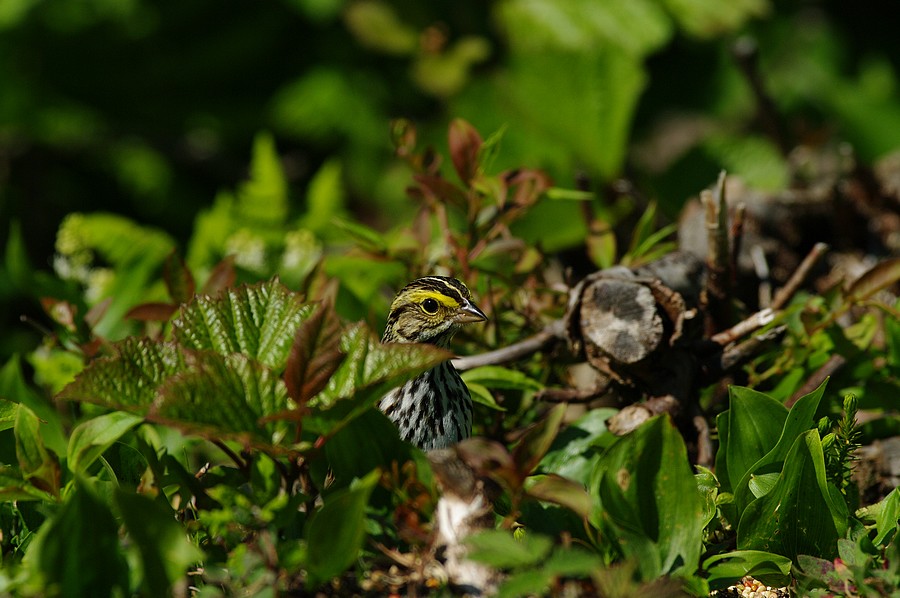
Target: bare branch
[552,333]
[785,293]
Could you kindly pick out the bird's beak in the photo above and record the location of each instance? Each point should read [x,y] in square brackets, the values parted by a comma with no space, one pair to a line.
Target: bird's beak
[469,312]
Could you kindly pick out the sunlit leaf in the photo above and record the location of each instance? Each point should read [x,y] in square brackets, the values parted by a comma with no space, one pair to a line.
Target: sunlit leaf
[259,321]
[577,448]
[14,389]
[495,376]
[224,396]
[801,514]
[483,396]
[130,379]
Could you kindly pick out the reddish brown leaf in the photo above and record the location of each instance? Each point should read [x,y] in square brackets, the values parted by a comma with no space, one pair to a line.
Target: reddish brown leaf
[441,189]
[464,142]
[96,313]
[315,355]
[537,440]
[179,280]
[222,277]
[152,312]
[62,312]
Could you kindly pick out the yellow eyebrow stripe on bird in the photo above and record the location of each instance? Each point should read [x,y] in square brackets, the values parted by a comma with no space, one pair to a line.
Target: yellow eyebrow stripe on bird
[422,295]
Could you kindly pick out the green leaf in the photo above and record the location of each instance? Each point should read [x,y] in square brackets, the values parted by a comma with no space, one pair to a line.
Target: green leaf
[77,553]
[225,396]
[801,514]
[91,438]
[650,499]
[754,424]
[799,419]
[8,411]
[37,464]
[535,443]
[726,569]
[13,388]
[761,485]
[498,548]
[178,278]
[577,448]
[258,320]
[13,486]
[324,198]
[335,533]
[561,491]
[130,379]
[494,376]
[262,201]
[887,518]
[367,442]
[162,541]
[483,396]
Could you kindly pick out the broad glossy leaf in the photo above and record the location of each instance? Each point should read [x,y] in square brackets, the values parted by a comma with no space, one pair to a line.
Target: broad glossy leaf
[225,396]
[129,380]
[801,514]
[37,464]
[335,533]
[754,422]
[799,419]
[315,355]
[90,439]
[726,569]
[162,541]
[257,320]
[577,448]
[648,494]
[498,548]
[78,550]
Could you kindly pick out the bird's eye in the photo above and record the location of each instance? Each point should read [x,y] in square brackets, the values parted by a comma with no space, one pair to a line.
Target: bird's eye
[430,306]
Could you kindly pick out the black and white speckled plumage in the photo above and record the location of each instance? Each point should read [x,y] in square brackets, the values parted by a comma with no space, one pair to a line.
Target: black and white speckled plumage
[434,410]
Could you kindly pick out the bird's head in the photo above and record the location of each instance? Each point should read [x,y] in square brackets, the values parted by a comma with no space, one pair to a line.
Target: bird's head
[430,310]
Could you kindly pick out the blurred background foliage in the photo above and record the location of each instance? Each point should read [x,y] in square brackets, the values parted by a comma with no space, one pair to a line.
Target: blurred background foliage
[151,111]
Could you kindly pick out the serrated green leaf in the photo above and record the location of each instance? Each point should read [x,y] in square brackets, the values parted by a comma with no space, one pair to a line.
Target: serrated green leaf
[335,533]
[800,515]
[165,550]
[129,380]
[498,548]
[324,198]
[90,439]
[257,320]
[495,376]
[225,396]
[262,201]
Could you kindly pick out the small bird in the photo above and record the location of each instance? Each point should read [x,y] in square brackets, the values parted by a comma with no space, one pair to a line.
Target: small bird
[433,410]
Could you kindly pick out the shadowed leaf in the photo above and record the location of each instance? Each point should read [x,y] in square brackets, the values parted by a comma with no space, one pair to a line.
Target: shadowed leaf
[90,439]
[559,490]
[222,277]
[128,380]
[178,278]
[38,465]
[538,439]
[315,355]
[152,312]
[258,321]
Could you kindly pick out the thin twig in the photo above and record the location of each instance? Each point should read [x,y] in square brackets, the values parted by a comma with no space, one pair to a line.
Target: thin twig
[753,323]
[737,238]
[828,369]
[551,333]
[785,293]
[242,465]
[747,349]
